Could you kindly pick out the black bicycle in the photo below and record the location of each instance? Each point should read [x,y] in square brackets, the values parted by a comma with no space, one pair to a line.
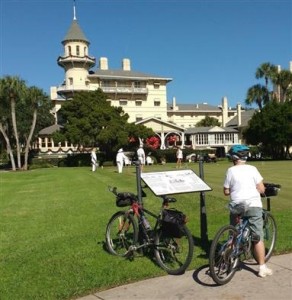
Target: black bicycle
[129,231]
[234,244]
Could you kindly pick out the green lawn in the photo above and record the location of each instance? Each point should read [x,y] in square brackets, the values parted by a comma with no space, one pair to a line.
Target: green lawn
[53,224]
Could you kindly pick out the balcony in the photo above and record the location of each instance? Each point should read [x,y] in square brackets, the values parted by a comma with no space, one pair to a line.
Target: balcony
[123,90]
[63,89]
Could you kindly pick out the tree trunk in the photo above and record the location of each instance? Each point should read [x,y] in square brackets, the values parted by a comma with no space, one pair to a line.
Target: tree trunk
[14,124]
[8,147]
[34,119]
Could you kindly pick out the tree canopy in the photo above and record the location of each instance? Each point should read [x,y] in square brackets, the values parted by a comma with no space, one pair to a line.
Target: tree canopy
[208,122]
[277,86]
[23,111]
[272,129]
[89,120]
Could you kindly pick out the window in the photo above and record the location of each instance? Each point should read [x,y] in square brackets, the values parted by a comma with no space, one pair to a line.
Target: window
[138,119]
[50,142]
[138,102]
[137,84]
[156,103]
[123,102]
[229,138]
[69,50]
[219,138]
[202,139]
[156,85]
[70,81]
[43,142]
[85,51]
[107,83]
[77,50]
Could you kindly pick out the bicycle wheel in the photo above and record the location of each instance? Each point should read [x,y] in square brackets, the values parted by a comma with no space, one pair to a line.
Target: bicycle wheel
[121,233]
[222,261]
[270,234]
[174,254]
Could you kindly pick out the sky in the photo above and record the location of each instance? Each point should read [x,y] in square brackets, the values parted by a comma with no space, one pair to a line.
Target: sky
[210,48]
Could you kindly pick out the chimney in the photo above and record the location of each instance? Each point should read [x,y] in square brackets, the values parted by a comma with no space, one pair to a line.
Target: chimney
[238,114]
[126,64]
[103,65]
[224,111]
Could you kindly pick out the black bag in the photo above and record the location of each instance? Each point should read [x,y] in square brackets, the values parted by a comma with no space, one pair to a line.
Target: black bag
[172,223]
[125,199]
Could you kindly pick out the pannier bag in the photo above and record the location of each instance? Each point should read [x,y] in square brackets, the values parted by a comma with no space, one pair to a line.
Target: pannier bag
[271,189]
[172,223]
[125,199]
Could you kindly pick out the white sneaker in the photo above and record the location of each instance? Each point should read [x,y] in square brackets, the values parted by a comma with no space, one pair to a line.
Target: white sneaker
[265,272]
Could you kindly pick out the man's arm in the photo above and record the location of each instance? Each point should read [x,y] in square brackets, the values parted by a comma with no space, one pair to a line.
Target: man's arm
[260,187]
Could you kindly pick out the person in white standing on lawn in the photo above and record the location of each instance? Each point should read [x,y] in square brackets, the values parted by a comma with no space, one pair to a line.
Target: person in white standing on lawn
[141,157]
[179,156]
[93,159]
[120,160]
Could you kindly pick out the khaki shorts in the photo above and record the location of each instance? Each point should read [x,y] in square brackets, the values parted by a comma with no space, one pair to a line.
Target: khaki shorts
[255,220]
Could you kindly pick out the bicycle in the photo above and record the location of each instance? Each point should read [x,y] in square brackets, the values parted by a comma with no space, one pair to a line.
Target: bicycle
[129,231]
[234,244]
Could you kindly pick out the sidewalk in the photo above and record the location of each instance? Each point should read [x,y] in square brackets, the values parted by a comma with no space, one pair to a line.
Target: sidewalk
[198,284]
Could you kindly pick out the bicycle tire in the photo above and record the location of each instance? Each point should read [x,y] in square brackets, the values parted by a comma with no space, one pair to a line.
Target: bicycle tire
[174,254]
[121,233]
[270,235]
[222,264]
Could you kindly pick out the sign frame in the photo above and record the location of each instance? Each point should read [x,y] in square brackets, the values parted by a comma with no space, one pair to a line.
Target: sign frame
[174,182]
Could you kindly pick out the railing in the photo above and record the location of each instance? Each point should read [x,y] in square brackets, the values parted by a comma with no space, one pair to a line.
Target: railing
[131,90]
[116,90]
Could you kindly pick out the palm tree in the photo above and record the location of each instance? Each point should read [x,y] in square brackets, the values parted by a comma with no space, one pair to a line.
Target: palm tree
[13,89]
[284,80]
[34,99]
[266,71]
[258,94]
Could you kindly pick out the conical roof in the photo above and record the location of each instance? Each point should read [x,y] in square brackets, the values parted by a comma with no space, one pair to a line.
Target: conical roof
[75,33]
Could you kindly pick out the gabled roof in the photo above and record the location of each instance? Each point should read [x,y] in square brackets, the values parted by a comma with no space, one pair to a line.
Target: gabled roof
[246,115]
[115,74]
[160,122]
[50,130]
[195,130]
[75,33]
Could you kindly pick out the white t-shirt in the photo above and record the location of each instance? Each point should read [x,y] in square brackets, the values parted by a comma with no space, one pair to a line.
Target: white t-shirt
[179,154]
[141,155]
[242,181]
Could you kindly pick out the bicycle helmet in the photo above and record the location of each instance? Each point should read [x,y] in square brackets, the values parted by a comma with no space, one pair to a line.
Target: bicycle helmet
[239,152]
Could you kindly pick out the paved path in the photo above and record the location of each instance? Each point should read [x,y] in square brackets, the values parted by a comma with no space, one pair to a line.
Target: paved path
[198,285]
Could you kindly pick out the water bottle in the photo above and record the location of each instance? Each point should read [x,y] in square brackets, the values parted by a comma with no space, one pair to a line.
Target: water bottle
[145,223]
[245,234]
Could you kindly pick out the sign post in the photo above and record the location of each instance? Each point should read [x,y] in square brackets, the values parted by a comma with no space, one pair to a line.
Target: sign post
[203,212]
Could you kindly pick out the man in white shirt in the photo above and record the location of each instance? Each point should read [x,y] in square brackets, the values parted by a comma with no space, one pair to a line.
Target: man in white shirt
[120,159]
[93,159]
[141,156]
[244,184]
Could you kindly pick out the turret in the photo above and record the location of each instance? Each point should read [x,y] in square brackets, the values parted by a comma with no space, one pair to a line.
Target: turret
[76,61]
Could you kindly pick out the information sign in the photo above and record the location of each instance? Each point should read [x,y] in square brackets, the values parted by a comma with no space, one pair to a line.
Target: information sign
[174,182]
